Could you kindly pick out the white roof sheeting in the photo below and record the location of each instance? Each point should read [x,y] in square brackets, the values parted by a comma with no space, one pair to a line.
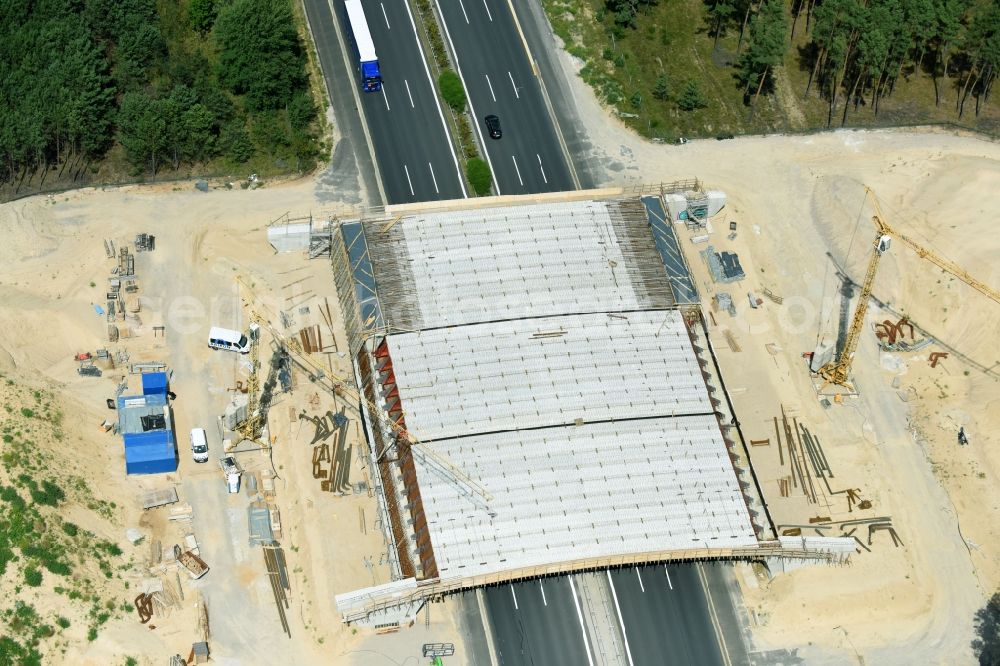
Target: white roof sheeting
[462,267]
[597,490]
[533,373]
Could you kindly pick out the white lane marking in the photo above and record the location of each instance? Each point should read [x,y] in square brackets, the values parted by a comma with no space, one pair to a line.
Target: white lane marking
[541,168]
[464,13]
[434,178]
[618,609]
[515,597]
[583,627]
[488,10]
[668,577]
[408,180]
[514,160]
[387,26]
[437,103]
[513,84]
[641,586]
[543,593]
[716,624]
[479,132]
[385,97]
[490,84]
[408,93]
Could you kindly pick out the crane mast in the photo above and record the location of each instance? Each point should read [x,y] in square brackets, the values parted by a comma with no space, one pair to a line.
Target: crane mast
[838,371]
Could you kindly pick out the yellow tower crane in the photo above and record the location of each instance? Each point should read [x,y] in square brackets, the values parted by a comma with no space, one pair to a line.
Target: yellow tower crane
[252,426]
[838,371]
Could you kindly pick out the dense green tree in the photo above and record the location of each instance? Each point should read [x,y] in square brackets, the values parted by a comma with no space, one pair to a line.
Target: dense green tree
[721,12]
[692,98]
[766,48]
[301,111]
[142,130]
[987,625]
[236,142]
[661,89]
[259,52]
[198,141]
[202,14]
[949,14]
[982,46]
[75,75]
[625,12]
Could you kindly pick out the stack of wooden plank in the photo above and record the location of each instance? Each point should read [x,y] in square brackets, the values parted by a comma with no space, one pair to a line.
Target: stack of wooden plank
[311,339]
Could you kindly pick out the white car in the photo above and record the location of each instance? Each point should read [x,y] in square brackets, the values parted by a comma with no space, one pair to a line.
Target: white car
[199,445]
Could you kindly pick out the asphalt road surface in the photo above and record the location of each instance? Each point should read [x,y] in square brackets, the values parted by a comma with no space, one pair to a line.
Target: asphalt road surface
[668,615]
[352,149]
[665,615]
[499,80]
[405,123]
[537,623]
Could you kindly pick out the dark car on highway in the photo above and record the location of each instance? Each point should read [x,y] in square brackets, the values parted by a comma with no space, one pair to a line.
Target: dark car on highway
[493,126]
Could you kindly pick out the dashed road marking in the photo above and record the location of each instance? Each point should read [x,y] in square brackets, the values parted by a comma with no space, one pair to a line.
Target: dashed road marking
[488,10]
[517,94]
[386,16]
[408,93]
[583,627]
[490,84]
[434,178]
[515,597]
[517,170]
[408,180]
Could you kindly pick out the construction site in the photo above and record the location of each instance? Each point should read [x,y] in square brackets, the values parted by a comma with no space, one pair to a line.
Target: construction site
[538,400]
[437,400]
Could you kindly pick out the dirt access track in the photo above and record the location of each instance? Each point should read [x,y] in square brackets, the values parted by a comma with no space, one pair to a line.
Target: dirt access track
[795,200]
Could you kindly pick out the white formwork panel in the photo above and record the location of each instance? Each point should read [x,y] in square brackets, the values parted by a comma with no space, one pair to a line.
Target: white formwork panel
[470,266]
[549,509]
[540,372]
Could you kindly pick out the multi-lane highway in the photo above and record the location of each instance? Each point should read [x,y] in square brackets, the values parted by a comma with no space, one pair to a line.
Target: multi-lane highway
[492,59]
[404,120]
[536,622]
[681,614]
[636,616]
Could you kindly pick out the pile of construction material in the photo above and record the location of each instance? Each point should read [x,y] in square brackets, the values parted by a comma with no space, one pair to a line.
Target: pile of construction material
[724,266]
[121,298]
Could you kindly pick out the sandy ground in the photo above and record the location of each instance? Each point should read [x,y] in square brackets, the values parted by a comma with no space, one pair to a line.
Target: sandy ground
[794,199]
[55,272]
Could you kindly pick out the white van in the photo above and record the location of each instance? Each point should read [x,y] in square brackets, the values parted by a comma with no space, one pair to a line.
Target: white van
[224,338]
[199,445]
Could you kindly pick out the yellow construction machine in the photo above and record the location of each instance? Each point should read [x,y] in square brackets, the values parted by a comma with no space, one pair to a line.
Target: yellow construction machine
[838,371]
